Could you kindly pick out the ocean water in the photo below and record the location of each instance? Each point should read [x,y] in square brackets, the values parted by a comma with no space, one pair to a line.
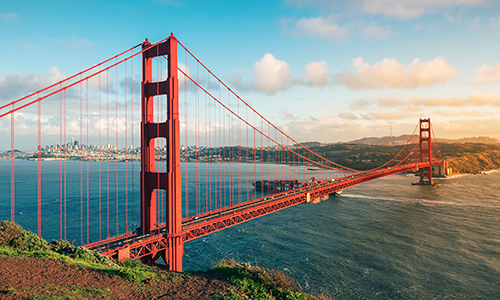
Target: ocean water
[384,239]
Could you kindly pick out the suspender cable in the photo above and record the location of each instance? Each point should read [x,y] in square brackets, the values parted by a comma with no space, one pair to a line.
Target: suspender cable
[39,179]
[12,170]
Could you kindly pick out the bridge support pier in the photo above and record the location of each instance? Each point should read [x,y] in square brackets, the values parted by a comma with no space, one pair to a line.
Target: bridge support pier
[170,181]
[425,152]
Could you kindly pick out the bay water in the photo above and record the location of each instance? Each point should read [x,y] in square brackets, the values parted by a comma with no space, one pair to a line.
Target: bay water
[385,239]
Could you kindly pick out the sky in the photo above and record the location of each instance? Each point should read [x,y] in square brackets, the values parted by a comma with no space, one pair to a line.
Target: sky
[328,71]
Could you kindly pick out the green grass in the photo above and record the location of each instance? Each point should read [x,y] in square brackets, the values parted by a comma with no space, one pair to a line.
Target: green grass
[259,283]
[15,242]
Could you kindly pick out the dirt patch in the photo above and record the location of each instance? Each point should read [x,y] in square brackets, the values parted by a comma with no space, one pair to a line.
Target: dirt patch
[25,278]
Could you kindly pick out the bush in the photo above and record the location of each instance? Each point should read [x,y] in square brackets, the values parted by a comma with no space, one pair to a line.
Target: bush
[65,248]
[10,233]
[14,236]
[261,283]
[30,242]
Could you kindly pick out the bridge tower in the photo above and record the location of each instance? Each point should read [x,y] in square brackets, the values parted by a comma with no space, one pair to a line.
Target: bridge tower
[425,151]
[151,180]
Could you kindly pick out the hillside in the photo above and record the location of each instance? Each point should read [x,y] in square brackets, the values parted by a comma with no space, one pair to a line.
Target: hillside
[402,139]
[471,157]
[31,268]
[462,157]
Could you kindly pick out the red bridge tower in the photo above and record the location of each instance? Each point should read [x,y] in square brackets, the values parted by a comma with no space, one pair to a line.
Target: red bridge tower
[170,181]
[425,151]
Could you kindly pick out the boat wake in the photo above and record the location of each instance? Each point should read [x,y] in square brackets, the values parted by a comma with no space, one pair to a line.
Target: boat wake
[426,202]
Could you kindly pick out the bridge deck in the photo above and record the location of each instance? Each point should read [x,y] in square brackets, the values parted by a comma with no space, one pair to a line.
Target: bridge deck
[216,220]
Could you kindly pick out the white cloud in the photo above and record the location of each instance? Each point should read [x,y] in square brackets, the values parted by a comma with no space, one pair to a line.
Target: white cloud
[9,17]
[415,103]
[318,27]
[316,73]
[288,115]
[485,74]
[333,128]
[330,28]
[348,116]
[15,85]
[391,73]
[271,75]
[408,9]
[462,113]
[383,115]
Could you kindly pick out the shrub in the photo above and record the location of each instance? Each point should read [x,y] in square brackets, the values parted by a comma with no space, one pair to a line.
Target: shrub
[31,242]
[65,248]
[10,233]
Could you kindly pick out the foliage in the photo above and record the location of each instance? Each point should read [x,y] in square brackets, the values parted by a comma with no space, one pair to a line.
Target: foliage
[461,157]
[13,235]
[17,242]
[471,157]
[260,283]
[10,233]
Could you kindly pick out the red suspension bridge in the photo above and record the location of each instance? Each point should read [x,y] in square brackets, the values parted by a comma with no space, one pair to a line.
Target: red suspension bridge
[207,159]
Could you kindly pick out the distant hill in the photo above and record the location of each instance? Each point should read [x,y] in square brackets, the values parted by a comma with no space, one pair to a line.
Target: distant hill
[309,144]
[402,139]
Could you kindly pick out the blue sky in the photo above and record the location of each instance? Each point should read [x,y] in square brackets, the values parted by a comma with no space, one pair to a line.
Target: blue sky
[322,70]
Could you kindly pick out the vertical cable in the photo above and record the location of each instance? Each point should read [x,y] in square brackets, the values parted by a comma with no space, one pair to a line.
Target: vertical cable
[126,156]
[65,152]
[132,135]
[39,181]
[100,158]
[12,169]
[186,157]
[87,84]
[208,132]
[81,166]
[60,167]
[107,150]
[116,149]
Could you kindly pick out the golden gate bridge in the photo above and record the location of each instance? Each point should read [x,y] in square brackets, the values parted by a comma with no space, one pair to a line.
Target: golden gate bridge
[191,124]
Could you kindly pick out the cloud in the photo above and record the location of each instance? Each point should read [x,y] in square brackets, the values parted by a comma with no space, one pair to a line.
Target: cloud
[9,17]
[273,75]
[391,73]
[330,28]
[316,73]
[474,99]
[383,115]
[416,103]
[287,115]
[15,85]
[463,113]
[348,116]
[485,74]
[317,27]
[333,128]
[408,9]
[470,127]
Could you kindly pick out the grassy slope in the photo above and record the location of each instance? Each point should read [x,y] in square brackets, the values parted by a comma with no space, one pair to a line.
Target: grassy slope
[253,282]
